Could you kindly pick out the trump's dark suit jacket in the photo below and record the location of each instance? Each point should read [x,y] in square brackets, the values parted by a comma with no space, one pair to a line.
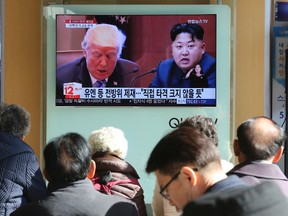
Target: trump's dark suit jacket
[76,71]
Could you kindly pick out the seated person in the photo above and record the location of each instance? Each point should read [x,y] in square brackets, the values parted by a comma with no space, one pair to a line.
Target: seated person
[187,165]
[259,146]
[114,175]
[188,50]
[101,65]
[21,178]
[207,127]
[68,164]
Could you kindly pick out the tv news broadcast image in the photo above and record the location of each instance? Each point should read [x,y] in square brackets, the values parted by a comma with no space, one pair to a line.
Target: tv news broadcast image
[160,60]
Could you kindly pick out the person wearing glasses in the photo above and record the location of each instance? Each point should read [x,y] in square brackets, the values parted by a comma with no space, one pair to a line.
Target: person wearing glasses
[207,127]
[187,165]
[259,145]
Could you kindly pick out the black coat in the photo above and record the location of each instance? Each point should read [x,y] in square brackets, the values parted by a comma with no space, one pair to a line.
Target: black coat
[264,199]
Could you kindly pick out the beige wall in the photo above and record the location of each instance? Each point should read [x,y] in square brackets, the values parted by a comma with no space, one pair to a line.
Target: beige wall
[249,59]
[22,59]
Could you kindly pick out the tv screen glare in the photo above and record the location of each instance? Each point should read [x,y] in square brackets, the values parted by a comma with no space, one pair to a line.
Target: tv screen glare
[147,44]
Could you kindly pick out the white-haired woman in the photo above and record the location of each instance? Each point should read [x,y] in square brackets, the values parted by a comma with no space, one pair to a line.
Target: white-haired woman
[113,174]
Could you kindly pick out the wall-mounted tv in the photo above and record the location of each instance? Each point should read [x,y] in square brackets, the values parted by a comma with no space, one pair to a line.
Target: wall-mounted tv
[142,120]
[151,72]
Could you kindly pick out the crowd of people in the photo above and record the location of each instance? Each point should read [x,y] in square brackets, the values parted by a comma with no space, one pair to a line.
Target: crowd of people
[91,177]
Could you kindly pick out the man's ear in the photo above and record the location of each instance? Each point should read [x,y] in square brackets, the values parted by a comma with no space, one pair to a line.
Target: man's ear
[189,174]
[84,53]
[92,170]
[236,148]
[171,48]
[278,154]
[203,46]
[46,174]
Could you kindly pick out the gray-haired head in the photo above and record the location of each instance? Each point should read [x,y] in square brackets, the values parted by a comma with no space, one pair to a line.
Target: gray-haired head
[14,120]
[108,140]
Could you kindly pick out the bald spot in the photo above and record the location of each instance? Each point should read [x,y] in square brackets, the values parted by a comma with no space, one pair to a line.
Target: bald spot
[263,131]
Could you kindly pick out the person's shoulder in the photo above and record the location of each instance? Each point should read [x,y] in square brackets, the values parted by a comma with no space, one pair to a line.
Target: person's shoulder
[127,62]
[231,182]
[246,166]
[71,71]
[11,145]
[70,65]
[208,57]
[265,199]
[117,205]
[30,209]
[111,199]
[165,65]
[207,62]
[167,62]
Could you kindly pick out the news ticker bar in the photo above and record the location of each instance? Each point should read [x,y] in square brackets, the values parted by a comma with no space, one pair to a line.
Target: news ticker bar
[74,94]
[139,93]
[135,102]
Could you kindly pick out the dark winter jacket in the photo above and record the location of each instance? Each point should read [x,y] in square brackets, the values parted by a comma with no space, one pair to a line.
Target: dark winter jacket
[21,180]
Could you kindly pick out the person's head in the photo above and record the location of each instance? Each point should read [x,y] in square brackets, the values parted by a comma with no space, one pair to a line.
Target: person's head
[68,159]
[108,141]
[198,69]
[208,128]
[185,163]
[187,45]
[14,120]
[204,124]
[102,46]
[259,138]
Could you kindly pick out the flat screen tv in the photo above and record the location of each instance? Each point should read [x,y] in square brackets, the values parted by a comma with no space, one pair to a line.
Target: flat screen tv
[147,115]
[147,44]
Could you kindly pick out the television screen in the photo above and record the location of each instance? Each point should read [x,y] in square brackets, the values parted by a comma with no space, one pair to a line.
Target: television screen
[152,70]
[143,112]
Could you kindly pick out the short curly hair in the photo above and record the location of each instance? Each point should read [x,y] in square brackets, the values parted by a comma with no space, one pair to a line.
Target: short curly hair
[108,140]
[14,119]
[206,126]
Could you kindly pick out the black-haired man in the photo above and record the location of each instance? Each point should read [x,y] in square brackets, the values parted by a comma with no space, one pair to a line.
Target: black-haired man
[68,164]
